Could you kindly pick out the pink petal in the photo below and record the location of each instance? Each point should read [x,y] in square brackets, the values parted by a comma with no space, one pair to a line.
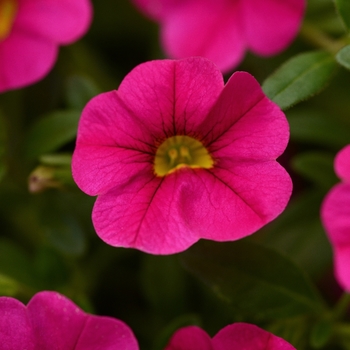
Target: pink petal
[234,200]
[212,29]
[342,164]
[190,338]
[271,25]
[61,22]
[172,97]
[146,215]
[244,123]
[24,59]
[59,324]
[244,336]
[335,215]
[15,327]
[155,8]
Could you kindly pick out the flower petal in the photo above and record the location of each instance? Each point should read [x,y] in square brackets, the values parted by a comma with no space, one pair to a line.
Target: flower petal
[234,200]
[246,336]
[271,25]
[172,97]
[146,215]
[17,72]
[212,29]
[342,164]
[335,215]
[190,338]
[244,123]
[15,327]
[61,21]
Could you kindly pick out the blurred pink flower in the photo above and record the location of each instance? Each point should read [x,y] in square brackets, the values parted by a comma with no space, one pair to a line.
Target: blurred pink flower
[238,336]
[175,156]
[335,215]
[51,321]
[222,30]
[30,34]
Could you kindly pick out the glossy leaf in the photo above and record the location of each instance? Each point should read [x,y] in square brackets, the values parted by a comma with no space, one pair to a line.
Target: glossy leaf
[52,132]
[343,7]
[300,78]
[257,281]
[343,56]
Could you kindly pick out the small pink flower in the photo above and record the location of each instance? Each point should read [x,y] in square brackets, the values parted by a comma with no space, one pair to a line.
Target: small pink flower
[51,321]
[222,30]
[175,156]
[237,336]
[335,215]
[30,34]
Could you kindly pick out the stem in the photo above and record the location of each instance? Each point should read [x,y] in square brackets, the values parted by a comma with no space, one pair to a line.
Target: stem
[319,39]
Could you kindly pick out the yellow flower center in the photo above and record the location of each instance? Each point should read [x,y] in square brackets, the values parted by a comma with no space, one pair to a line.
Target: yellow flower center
[181,151]
[8,11]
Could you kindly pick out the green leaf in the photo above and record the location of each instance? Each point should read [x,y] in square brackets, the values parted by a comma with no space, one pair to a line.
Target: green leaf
[8,286]
[316,127]
[343,7]
[343,56]
[52,132]
[257,281]
[79,91]
[317,167]
[300,78]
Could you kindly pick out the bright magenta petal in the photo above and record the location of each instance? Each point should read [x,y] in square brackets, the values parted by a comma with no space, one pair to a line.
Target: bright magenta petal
[146,215]
[212,29]
[271,25]
[335,214]
[244,336]
[15,328]
[61,22]
[59,324]
[234,200]
[342,164]
[25,59]
[190,338]
[171,97]
[244,123]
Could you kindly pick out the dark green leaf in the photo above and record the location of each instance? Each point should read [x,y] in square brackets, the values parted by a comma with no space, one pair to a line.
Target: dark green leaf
[317,167]
[321,333]
[52,132]
[300,78]
[343,56]
[343,7]
[79,91]
[316,127]
[257,281]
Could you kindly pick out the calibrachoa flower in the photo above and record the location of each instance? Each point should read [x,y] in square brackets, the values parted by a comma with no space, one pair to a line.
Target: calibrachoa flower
[238,336]
[175,156]
[222,30]
[51,321]
[335,214]
[30,34]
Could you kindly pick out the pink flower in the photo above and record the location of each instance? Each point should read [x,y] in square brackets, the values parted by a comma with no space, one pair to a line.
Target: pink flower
[51,321]
[30,34]
[335,215]
[175,156]
[222,30]
[238,336]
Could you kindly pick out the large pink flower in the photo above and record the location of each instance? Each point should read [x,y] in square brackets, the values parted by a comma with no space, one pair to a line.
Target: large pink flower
[30,34]
[175,156]
[50,321]
[238,336]
[222,30]
[335,214]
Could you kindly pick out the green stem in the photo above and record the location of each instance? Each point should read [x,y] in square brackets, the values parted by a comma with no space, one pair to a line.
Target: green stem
[319,39]
[341,307]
